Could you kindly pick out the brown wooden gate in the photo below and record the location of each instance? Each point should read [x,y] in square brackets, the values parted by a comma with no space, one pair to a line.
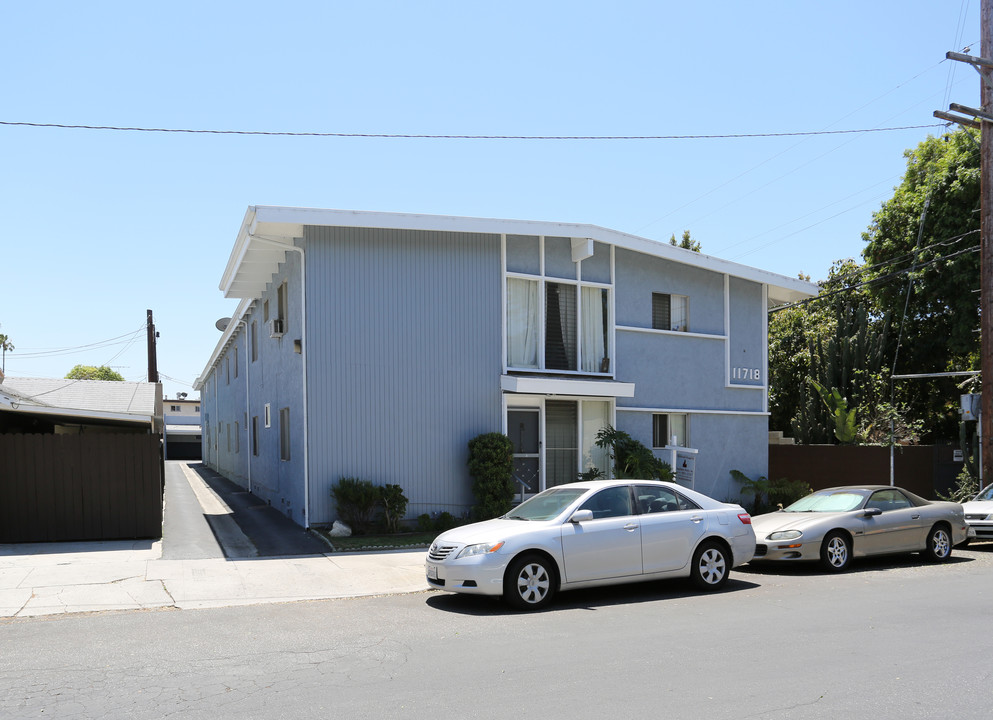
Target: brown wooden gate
[94,486]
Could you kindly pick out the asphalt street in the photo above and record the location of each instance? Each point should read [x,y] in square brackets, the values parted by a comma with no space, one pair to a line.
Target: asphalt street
[894,638]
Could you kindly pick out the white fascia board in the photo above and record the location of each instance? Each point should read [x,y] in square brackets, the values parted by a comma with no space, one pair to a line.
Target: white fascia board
[288,222]
[225,340]
[533,385]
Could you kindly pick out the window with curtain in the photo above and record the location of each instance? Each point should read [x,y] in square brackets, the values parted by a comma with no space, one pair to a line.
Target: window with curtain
[557,326]
[665,426]
[595,318]
[560,326]
[522,323]
[670,312]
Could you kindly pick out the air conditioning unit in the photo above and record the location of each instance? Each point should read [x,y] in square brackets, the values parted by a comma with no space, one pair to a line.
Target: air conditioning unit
[276,327]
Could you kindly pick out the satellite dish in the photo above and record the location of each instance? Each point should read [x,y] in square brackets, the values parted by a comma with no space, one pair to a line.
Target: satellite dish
[222,324]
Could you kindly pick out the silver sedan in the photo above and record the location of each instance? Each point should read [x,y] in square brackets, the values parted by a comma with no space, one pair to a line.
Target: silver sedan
[593,533]
[832,526]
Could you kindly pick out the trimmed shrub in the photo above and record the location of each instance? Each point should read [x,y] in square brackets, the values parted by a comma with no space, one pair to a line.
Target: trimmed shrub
[491,465]
[357,501]
[394,504]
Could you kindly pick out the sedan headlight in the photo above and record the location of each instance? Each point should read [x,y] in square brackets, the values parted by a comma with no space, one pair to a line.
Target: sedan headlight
[479,549]
[786,535]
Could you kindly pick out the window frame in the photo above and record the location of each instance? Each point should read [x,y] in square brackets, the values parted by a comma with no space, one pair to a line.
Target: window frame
[577,358]
[284,434]
[684,441]
[657,314]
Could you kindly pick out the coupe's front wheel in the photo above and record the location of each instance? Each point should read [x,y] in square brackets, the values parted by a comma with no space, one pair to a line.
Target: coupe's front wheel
[836,552]
[711,565]
[529,583]
[939,544]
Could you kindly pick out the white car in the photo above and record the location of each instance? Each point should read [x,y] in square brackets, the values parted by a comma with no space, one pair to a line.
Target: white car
[979,514]
[593,533]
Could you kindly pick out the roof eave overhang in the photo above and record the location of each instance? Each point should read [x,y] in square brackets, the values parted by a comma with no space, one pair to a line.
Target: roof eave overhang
[267,231]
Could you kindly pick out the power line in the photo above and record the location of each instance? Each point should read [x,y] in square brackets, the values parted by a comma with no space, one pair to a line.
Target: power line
[414,136]
[875,281]
[119,340]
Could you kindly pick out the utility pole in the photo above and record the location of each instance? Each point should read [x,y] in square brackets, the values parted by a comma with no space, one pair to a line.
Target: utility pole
[984,66]
[153,363]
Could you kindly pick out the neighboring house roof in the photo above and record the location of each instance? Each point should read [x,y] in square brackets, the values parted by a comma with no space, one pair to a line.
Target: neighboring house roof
[92,399]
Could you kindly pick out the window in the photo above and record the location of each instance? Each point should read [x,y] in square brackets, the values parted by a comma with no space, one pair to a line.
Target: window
[254,333]
[227,370]
[595,331]
[665,427]
[652,499]
[522,323]
[196,409]
[237,438]
[281,305]
[235,362]
[265,311]
[255,435]
[228,433]
[670,312]
[267,415]
[558,326]
[284,434]
[612,502]
[175,408]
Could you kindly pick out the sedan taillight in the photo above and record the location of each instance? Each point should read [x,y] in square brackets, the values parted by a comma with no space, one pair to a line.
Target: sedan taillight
[745,518]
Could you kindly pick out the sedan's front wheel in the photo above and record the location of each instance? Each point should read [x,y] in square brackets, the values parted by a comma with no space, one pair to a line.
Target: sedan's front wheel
[529,583]
[939,544]
[711,565]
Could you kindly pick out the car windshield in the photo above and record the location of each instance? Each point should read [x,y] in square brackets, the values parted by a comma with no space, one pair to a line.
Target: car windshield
[986,494]
[545,505]
[827,502]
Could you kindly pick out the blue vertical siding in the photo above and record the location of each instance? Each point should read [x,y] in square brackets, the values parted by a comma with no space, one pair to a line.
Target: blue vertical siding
[404,358]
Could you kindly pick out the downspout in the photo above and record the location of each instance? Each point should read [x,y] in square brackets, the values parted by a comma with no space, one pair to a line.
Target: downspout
[248,408]
[213,454]
[303,352]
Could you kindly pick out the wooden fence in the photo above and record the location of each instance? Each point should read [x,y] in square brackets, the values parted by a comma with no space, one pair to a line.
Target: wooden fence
[80,487]
[923,469]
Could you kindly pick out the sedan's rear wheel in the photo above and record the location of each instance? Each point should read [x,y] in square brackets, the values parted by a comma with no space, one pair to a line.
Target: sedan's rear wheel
[530,582]
[836,552]
[939,544]
[711,565]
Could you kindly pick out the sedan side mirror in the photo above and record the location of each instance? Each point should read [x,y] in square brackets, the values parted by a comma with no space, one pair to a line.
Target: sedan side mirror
[581,516]
[872,512]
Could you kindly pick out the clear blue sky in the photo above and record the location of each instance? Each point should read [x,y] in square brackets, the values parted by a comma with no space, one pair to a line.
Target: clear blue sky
[101,225]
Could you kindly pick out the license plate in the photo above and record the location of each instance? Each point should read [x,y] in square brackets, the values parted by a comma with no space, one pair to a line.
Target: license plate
[433,572]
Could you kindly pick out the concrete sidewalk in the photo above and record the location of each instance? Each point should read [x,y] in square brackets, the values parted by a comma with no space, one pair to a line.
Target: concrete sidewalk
[47,579]
[55,578]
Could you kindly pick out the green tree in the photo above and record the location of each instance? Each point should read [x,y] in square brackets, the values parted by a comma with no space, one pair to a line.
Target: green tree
[632,459]
[920,251]
[687,242]
[837,343]
[5,346]
[88,372]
